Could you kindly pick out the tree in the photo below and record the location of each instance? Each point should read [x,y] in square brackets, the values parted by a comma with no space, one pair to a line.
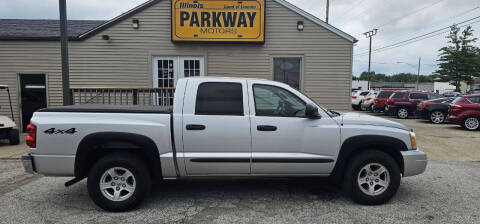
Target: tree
[459,61]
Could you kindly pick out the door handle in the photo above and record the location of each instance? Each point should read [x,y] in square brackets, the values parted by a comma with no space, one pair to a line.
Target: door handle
[266,128]
[195,127]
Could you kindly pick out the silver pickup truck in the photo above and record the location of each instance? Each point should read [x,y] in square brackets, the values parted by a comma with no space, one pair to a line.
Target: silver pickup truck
[222,127]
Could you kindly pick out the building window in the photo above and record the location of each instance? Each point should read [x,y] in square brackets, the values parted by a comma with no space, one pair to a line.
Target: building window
[277,102]
[287,70]
[219,98]
[191,68]
[166,74]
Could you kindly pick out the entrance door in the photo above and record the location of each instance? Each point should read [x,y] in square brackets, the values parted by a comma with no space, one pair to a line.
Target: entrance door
[34,95]
[167,70]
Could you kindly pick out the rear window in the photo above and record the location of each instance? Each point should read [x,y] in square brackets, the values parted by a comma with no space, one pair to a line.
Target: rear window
[398,95]
[418,96]
[364,93]
[384,94]
[219,98]
[456,100]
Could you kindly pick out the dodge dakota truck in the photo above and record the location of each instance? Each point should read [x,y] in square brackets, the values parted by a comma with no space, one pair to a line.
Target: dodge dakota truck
[220,127]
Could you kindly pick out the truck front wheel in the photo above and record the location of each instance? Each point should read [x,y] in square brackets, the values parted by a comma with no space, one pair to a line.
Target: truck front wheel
[118,182]
[372,177]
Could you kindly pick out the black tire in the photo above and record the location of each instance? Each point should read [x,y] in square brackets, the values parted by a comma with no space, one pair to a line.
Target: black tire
[355,165]
[123,160]
[469,127]
[14,137]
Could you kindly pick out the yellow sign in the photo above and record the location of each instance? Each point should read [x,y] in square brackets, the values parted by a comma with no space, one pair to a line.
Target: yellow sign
[218,20]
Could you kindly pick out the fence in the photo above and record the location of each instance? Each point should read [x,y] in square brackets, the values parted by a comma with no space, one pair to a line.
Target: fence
[123,96]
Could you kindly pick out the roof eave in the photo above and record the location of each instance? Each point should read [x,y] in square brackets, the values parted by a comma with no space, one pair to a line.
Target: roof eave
[317,20]
[117,19]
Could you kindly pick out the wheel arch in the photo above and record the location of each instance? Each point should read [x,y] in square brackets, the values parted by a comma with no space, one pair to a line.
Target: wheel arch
[356,144]
[96,145]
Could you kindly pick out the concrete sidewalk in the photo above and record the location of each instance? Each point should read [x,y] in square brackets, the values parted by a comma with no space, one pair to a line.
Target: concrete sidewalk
[12,152]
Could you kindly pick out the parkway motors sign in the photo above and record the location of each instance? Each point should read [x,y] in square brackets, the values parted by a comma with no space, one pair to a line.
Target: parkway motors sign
[218,20]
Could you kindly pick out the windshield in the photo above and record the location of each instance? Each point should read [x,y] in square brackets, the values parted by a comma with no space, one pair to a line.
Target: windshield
[398,95]
[329,112]
[456,100]
[384,94]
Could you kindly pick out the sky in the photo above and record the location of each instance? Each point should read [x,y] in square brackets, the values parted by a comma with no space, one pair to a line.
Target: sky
[395,20]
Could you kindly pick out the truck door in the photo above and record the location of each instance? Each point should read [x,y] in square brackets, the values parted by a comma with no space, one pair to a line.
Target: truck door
[216,128]
[284,141]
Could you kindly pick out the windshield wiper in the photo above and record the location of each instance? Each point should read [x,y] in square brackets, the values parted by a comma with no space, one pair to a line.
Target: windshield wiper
[334,112]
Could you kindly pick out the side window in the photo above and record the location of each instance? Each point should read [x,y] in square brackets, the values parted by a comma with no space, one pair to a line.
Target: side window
[475,99]
[219,98]
[277,102]
[418,96]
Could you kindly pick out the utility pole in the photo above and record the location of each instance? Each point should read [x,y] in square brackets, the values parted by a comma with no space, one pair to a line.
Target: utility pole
[328,6]
[67,98]
[418,73]
[370,34]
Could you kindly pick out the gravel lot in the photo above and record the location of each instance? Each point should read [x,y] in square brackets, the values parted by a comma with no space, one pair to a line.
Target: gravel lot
[448,192]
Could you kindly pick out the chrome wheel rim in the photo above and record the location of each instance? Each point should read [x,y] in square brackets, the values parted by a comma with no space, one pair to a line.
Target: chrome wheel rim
[471,123]
[402,113]
[117,184]
[373,179]
[437,117]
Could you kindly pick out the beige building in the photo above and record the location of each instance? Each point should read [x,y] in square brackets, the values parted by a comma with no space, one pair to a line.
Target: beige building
[136,50]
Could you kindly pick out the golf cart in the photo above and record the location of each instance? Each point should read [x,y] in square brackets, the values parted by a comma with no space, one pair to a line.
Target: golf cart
[8,128]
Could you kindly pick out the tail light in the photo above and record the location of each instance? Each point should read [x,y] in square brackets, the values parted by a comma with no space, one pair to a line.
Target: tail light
[354,97]
[391,100]
[456,107]
[368,98]
[32,136]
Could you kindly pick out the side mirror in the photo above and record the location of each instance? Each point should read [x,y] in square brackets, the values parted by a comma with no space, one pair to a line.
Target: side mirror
[311,112]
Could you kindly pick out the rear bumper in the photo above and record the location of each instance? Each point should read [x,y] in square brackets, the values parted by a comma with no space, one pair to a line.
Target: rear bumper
[414,162]
[28,165]
[454,119]
[49,165]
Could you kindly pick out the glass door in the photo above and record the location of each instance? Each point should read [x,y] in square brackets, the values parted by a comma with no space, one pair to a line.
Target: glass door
[166,72]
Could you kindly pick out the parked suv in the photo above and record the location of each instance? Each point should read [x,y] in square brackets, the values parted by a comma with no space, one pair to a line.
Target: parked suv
[404,103]
[435,110]
[380,101]
[358,97]
[465,111]
[367,103]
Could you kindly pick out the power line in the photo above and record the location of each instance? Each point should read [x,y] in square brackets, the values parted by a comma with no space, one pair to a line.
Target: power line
[436,23]
[433,35]
[414,39]
[349,9]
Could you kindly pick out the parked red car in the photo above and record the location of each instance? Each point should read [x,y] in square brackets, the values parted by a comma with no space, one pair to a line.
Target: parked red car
[404,103]
[380,101]
[465,111]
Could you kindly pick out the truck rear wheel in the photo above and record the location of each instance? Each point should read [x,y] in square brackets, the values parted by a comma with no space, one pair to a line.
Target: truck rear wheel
[372,177]
[118,182]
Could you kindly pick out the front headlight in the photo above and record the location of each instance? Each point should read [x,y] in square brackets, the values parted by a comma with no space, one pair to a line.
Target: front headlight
[413,139]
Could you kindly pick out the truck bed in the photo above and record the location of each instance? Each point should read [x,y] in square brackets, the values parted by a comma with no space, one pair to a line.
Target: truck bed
[106,108]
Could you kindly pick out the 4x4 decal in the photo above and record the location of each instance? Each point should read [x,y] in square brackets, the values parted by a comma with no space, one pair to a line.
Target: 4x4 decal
[52,131]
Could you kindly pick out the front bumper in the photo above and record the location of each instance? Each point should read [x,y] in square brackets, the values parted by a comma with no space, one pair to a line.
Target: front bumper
[28,164]
[414,162]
